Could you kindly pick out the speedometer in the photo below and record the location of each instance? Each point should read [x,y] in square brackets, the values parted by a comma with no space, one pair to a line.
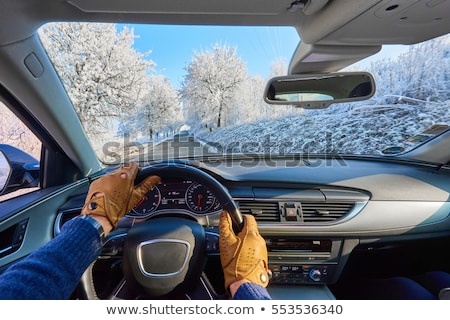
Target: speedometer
[148,203]
[199,199]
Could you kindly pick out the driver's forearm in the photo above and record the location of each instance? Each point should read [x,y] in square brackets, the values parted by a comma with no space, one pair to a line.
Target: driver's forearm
[251,291]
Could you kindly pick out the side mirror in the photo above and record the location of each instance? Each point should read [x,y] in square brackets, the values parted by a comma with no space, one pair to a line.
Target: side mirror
[318,91]
[18,169]
[5,172]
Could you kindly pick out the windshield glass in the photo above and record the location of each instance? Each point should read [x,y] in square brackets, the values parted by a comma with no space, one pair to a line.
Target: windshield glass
[161,92]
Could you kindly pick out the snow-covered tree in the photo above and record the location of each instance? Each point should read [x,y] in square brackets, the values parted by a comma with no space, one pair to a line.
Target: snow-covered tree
[421,73]
[278,67]
[212,80]
[161,110]
[249,105]
[103,74]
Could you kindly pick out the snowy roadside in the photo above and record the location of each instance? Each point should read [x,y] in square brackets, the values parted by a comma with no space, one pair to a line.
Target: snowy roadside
[352,129]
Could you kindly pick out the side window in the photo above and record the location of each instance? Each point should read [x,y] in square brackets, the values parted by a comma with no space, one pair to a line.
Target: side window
[19,156]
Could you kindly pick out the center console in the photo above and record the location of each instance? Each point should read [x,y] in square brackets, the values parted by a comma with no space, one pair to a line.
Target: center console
[303,261]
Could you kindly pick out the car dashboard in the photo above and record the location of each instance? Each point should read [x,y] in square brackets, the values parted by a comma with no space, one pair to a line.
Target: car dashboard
[313,218]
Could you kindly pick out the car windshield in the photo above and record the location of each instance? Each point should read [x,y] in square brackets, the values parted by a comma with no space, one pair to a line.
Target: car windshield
[161,92]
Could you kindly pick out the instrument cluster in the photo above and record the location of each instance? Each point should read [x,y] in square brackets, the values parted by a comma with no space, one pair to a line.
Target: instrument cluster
[176,194]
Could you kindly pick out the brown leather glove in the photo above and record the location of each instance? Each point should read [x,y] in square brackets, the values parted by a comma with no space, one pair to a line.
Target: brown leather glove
[115,194]
[243,256]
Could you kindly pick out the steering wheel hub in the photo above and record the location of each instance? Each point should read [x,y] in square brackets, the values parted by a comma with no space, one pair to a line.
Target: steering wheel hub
[163,257]
[158,253]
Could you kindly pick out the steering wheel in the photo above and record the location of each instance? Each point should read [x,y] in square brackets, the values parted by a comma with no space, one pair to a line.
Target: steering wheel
[164,257]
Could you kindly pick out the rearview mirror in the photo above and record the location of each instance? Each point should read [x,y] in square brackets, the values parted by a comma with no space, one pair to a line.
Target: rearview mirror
[318,91]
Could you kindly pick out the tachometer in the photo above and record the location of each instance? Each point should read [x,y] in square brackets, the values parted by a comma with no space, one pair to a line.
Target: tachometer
[199,199]
[148,203]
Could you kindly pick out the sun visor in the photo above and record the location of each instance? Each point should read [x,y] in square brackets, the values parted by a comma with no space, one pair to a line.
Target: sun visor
[310,58]
[252,7]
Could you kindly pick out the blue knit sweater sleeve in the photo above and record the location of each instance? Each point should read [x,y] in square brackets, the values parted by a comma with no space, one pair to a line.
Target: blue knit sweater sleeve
[53,271]
[251,291]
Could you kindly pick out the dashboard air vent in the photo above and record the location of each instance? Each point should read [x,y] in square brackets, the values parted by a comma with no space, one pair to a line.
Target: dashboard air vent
[325,211]
[263,211]
[304,212]
[63,217]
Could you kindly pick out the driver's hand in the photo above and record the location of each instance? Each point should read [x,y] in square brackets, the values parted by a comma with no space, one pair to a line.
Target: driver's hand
[115,194]
[243,256]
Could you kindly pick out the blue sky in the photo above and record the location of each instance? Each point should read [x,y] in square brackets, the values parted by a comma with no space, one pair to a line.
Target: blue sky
[173,46]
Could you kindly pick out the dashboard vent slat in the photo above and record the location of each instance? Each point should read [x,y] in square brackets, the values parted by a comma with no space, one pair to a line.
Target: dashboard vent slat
[263,211]
[312,212]
[325,211]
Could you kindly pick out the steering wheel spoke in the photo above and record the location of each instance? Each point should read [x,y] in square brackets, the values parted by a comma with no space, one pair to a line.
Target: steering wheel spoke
[203,291]
[123,292]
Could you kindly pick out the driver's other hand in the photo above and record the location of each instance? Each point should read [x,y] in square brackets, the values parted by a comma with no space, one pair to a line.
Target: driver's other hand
[115,194]
[243,256]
